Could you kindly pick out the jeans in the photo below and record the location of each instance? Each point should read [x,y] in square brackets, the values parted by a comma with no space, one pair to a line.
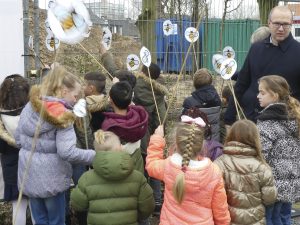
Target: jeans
[49,211]
[156,187]
[154,183]
[78,170]
[279,213]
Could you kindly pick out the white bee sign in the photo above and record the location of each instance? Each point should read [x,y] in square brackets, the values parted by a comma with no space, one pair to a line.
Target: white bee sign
[106,37]
[167,27]
[228,52]
[132,62]
[52,43]
[145,56]
[228,68]
[69,20]
[217,60]
[191,34]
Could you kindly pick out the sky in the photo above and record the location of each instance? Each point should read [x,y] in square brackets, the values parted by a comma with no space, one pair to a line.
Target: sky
[248,8]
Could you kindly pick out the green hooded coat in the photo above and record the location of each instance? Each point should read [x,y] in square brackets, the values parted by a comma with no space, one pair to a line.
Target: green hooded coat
[113,192]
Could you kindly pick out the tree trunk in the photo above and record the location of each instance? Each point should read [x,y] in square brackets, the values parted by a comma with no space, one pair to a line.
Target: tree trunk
[146,24]
[265,7]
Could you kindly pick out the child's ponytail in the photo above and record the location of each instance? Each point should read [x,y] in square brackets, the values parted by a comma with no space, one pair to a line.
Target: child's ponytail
[188,147]
[294,110]
[178,188]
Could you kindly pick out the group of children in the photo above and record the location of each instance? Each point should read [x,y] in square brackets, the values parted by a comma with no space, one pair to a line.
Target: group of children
[254,179]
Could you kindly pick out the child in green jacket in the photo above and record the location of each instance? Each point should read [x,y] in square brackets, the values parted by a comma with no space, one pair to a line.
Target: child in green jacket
[113,192]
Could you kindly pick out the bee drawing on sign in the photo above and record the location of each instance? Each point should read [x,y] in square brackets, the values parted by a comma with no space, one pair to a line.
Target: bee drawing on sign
[228,68]
[167,27]
[106,40]
[193,35]
[67,22]
[52,43]
[146,57]
[219,63]
[228,54]
[133,62]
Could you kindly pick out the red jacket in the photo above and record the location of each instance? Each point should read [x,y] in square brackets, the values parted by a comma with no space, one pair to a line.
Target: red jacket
[204,202]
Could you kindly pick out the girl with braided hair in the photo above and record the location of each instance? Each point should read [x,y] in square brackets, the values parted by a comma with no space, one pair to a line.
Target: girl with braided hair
[211,148]
[194,188]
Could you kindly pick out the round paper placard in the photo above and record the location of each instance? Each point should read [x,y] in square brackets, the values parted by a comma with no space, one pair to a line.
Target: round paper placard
[69,20]
[228,52]
[145,56]
[228,68]
[191,34]
[52,43]
[132,62]
[167,27]
[217,60]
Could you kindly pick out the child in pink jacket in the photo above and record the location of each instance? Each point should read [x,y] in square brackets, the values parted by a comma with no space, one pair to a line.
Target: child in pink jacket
[194,188]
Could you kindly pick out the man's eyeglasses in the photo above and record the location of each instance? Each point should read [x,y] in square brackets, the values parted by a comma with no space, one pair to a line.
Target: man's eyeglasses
[284,25]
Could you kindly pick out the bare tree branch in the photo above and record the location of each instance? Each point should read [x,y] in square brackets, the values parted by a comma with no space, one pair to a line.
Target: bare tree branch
[235,7]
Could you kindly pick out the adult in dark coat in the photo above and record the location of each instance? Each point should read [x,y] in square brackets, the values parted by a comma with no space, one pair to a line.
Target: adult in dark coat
[278,54]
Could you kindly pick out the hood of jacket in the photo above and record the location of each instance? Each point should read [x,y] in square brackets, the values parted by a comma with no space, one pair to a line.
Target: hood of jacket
[54,112]
[207,96]
[113,165]
[130,127]
[143,92]
[96,103]
[275,111]
[8,123]
[237,148]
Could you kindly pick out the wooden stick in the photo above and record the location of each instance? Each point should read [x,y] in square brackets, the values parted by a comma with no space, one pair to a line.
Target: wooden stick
[154,97]
[111,76]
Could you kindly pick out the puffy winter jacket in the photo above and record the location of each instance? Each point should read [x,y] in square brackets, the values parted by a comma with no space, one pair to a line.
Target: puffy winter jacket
[113,192]
[204,202]
[249,184]
[50,170]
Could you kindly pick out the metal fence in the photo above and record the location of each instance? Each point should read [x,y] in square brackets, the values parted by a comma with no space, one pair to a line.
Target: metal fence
[220,23]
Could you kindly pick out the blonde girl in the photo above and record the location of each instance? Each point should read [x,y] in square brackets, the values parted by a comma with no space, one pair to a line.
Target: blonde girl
[46,131]
[248,179]
[278,124]
[113,192]
[194,189]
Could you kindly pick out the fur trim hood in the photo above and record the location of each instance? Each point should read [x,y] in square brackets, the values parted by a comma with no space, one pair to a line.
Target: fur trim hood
[237,148]
[63,120]
[276,111]
[97,103]
[4,135]
[157,87]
